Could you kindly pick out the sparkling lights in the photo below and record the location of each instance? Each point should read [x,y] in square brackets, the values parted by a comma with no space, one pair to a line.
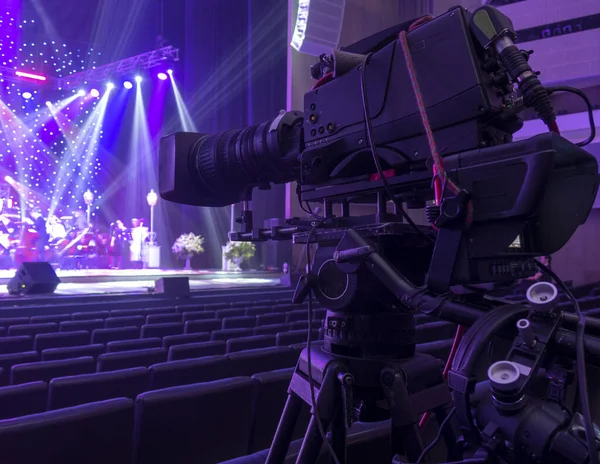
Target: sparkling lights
[138,79]
[26,95]
[162,76]
[128,85]
[95,93]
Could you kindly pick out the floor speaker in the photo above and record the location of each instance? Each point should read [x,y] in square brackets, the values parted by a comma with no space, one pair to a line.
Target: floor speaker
[33,279]
[173,286]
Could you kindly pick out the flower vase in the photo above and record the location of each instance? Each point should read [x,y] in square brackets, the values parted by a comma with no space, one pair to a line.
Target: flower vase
[188,263]
[238,260]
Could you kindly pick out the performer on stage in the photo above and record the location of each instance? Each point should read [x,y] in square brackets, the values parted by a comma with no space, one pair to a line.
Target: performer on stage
[80,221]
[39,223]
[138,237]
[55,229]
[118,238]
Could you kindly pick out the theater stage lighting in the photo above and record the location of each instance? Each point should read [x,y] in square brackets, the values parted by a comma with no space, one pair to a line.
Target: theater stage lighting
[170,72]
[95,93]
[26,95]
[110,86]
[162,76]
[138,79]
[81,93]
[128,85]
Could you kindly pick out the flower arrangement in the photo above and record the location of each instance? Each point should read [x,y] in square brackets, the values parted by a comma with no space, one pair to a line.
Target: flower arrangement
[236,250]
[188,245]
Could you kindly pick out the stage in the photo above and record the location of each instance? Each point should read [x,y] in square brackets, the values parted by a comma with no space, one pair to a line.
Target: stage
[133,281]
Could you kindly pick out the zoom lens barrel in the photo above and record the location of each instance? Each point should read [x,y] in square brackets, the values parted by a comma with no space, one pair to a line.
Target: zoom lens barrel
[220,169]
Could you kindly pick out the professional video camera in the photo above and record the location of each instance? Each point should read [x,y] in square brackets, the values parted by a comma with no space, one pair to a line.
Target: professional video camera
[420,112]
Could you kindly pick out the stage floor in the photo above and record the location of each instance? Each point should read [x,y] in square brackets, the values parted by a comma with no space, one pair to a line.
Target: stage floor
[105,281]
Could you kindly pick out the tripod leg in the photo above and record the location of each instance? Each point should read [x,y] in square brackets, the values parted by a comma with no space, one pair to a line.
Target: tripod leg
[405,435]
[285,430]
[449,434]
[313,442]
[338,436]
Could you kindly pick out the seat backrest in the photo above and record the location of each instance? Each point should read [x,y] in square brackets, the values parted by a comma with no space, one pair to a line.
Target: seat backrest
[8,321]
[162,318]
[54,354]
[7,361]
[235,312]
[125,321]
[115,334]
[297,315]
[270,319]
[241,322]
[61,339]
[206,325]
[18,344]
[258,310]
[197,315]
[48,370]
[88,388]
[271,329]
[95,433]
[196,350]
[230,333]
[58,318]
[189,307]
[250,362]
[140,312]
[161,330]
[32,329]
[188,371]
[128,345]
[182,339]
[89,315]
[295,336]
[127,359]
[169,429]
[439,349]
[216,306]
[269,399]
[250,343]
[21,400]
[71,326]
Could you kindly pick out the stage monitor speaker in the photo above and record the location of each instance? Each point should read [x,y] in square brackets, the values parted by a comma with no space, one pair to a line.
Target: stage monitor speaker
[173,286]
[33,279]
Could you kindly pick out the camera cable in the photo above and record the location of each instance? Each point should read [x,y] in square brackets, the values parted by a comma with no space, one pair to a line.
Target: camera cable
[588,104]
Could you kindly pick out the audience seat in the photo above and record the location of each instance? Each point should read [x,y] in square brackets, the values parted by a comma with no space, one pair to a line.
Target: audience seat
[95,433]
[18,344]
[249,343]
[126,321]
[297,315]
[433,331]
[206,325]
[71,326]
[196,350]
[230,333]
[32,329]
[270,319]
[127,359]
[162,318]
[162,330]
[58,318]
[250,362]
[439,349]
[188,371]
[129,345]
[271,329]
[169,428]
[89,315]
[198,315]
[47,370]
[182,339]
[295,336]
[140,312]
[115,334]
[88,388]
[54,354]
[8,321]
[61,340]
[258,310]
[7,361]
[21,400]
[242,322]
[216,306]
[238,312]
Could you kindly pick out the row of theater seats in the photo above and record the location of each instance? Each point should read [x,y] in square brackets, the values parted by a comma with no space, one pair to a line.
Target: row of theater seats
[59,379]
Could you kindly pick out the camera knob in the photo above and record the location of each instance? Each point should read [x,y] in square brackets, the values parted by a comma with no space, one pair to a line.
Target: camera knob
[542,295]
[504,377]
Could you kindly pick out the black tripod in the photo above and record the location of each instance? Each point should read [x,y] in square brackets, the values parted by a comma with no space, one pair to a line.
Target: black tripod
[409,386]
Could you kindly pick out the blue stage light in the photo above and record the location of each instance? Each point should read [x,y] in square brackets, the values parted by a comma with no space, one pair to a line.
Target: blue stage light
[128,85]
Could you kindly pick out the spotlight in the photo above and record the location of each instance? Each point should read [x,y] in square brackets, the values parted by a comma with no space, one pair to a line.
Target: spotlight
[81,93]
[170,72]
[128,85]
[26,95]
[110,86]
[162,76]
[48,103]
[95,93]
[138,79]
